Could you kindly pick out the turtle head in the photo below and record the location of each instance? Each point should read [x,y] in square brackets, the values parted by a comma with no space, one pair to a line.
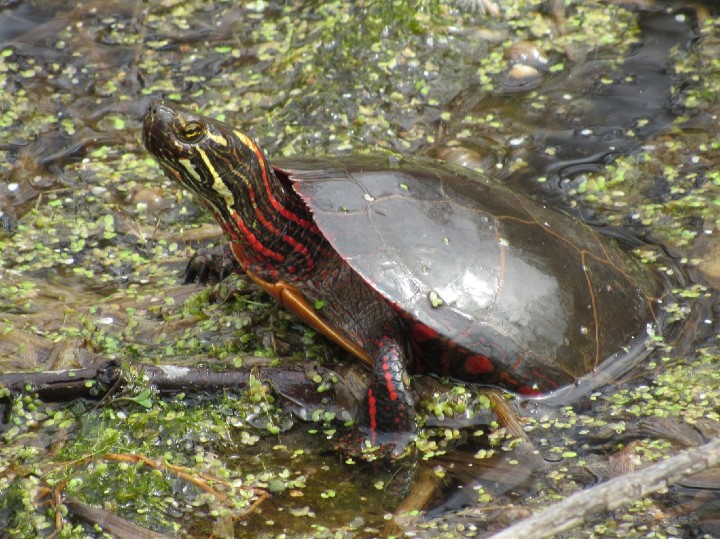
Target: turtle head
[229,173]
[208,157]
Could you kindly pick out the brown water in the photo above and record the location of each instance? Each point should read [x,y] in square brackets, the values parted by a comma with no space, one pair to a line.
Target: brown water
[92,238]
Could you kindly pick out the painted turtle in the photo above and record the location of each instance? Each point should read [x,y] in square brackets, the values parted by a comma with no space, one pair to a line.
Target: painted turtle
[415,263]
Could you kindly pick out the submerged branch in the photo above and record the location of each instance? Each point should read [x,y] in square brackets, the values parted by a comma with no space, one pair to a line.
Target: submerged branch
[296,383]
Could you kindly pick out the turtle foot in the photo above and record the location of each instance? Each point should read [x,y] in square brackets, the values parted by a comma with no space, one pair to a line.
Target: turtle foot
[358,445]
[211,264]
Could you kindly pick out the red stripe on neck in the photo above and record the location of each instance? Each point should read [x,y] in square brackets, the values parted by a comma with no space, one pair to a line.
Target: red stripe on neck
[255,244]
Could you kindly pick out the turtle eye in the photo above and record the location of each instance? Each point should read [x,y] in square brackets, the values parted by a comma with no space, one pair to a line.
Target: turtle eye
[191,131]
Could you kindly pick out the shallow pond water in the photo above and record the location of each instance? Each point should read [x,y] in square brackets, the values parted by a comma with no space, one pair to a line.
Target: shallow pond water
[613,115]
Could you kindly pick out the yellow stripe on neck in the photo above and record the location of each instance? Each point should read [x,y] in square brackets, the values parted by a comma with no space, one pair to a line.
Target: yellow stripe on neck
[218,183]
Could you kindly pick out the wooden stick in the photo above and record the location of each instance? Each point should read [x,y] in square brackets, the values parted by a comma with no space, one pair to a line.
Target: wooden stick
[612,494]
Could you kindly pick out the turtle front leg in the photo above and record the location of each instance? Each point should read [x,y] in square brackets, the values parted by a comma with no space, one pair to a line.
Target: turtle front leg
[390,404]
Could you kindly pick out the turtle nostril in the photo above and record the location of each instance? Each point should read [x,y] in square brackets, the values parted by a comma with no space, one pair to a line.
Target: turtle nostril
[154,107]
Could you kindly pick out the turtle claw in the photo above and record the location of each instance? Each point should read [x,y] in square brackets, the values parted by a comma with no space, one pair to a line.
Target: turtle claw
[211,264]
